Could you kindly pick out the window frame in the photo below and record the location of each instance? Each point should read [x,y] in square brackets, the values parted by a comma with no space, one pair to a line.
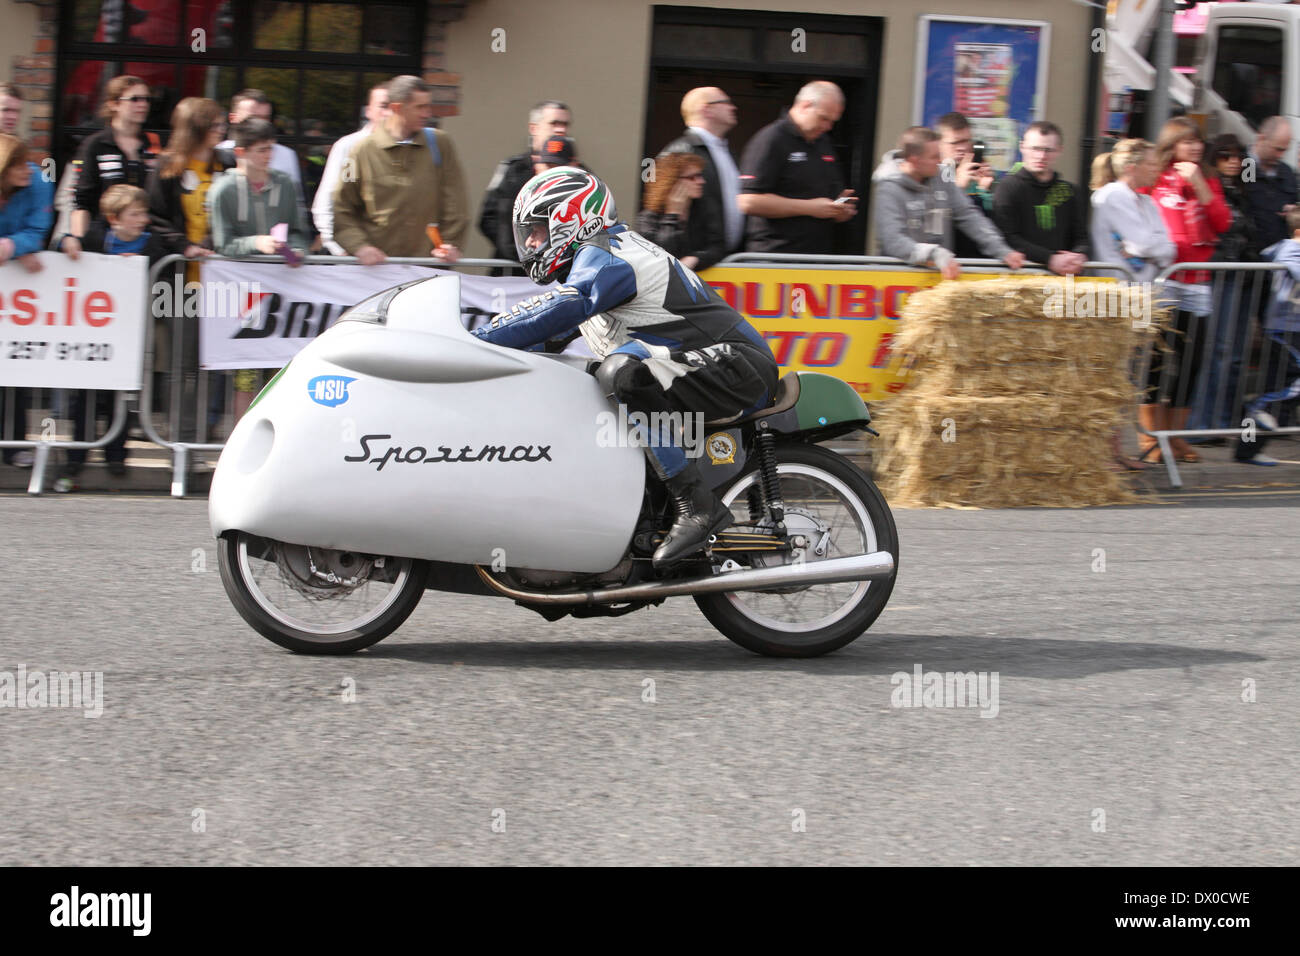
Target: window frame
[240,57]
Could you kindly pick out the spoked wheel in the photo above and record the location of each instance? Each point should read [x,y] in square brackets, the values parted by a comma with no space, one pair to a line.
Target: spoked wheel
[318,600]
[837,510]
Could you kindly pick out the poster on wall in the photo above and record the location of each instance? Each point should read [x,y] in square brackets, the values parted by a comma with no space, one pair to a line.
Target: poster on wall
[994,72]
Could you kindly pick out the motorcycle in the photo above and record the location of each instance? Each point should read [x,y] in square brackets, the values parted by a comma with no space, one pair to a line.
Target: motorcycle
[397,453]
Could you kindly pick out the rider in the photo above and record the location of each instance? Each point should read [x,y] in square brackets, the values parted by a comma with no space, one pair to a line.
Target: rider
[667,341]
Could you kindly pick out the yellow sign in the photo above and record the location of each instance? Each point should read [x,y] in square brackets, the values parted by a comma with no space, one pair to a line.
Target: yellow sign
[839,322]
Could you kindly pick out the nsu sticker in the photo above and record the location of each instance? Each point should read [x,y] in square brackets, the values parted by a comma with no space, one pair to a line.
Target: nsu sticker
[330,390]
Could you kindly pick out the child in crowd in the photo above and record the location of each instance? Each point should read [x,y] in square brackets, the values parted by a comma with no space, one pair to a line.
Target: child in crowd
[1281,343]
[246,206]
[121,229]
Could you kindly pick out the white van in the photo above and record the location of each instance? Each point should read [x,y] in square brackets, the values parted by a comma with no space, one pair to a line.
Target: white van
[1250,69]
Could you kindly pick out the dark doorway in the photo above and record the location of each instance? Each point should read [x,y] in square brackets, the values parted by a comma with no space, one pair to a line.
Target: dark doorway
[761,63]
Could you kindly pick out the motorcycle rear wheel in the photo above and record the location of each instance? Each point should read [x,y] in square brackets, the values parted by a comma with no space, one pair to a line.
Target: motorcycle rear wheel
[317,600]
[829,500]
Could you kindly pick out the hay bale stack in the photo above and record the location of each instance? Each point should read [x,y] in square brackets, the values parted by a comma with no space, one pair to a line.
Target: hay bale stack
[1013,395]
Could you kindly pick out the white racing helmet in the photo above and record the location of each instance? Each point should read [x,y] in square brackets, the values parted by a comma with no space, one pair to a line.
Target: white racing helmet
[554,212]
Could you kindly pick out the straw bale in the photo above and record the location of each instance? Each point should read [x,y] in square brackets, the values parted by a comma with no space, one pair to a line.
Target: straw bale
[1012,400]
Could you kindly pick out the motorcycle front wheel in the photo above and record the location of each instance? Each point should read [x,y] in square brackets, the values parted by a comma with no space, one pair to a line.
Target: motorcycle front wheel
[318,600]
[840,513]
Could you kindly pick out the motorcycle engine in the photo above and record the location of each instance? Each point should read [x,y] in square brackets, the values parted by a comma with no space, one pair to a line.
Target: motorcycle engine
[542,580]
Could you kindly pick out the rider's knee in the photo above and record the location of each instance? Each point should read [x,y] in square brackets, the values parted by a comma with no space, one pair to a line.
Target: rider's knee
[615,373]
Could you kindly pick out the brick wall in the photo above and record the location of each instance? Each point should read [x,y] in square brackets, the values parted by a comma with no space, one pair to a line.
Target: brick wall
[446,86]
[34,75]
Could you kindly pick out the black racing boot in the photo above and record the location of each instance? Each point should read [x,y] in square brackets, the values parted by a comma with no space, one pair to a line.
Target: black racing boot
[699,514]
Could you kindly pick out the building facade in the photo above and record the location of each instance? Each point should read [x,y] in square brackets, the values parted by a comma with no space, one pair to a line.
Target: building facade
[622,66]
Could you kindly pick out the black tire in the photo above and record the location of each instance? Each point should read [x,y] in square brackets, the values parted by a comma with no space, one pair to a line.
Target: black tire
[801,464]
[265,618]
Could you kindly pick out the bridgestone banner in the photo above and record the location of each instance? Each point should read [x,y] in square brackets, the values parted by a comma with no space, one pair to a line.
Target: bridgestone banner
[73,324]
[258,315]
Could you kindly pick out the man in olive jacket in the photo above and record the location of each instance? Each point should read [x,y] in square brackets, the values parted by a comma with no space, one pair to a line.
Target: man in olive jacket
[399,179]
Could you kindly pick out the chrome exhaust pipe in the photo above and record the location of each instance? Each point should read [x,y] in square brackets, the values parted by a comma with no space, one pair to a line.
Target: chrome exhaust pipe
[862,567]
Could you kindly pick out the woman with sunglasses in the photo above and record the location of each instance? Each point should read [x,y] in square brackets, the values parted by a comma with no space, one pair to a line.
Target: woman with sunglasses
[119,154]
[673,218]
[1233,304]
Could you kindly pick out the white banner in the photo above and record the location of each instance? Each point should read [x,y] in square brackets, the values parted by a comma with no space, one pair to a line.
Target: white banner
[258,315]
[73,324]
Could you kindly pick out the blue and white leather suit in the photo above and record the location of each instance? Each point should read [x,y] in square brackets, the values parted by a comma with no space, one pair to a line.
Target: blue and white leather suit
[668,342]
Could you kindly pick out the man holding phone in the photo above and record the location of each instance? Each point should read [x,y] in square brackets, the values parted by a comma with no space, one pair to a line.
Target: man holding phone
[791,184]
[963,159]
[917,209]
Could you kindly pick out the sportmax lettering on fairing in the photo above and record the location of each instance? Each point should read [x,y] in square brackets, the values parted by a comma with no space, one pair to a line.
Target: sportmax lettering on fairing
[417,454]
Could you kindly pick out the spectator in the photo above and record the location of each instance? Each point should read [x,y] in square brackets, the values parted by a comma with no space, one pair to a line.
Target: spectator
[1040,214]
[675,216]
[25,215]
[1270,183]
[118,154]
[25,205]
[1190,200]
[246,206]
[977,180]
[407,177]
[247,203]
[1233,304]
[790,179]
[178,187]
[710,116]
[548,118]
[322,207]
[916,208]
[1127,227]
[1282,334]
[556,151]
[11,109]
[254,104]
[121,228]
[178,190]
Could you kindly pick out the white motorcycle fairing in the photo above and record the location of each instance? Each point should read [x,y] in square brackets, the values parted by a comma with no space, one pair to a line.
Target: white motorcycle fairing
[398,433]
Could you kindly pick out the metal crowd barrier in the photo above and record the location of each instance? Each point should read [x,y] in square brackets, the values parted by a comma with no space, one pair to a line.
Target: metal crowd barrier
[54,401]
[789,260]
[1226,356]
[187,389]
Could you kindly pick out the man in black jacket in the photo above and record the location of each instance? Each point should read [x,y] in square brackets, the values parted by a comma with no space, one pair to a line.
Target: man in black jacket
[710,116]
[548,118]
[1270,184]
[1041,215]
[792,184]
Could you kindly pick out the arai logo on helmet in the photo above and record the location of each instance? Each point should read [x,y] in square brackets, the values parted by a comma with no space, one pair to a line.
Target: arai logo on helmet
[590,228]
[330,390]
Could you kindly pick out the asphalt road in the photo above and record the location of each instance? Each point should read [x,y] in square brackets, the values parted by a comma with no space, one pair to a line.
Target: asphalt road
[1120,737]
